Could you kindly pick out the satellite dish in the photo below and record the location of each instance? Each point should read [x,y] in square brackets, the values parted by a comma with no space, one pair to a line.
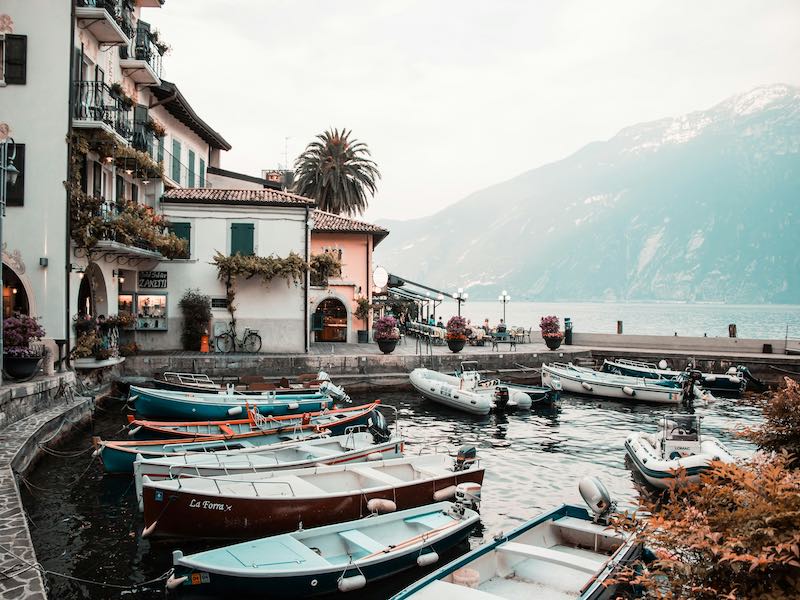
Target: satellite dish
[380,277]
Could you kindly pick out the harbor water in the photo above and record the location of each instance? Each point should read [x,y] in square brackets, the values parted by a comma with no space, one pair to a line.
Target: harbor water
[86,525]
[768,321]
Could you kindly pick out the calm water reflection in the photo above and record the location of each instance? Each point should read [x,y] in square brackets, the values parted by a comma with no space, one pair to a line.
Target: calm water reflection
[87,525]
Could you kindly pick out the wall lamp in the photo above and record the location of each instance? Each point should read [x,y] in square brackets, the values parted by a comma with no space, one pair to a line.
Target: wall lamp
[116,273]
[77,269]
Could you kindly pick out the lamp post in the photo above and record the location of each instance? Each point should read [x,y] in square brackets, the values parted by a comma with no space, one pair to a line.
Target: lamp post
[8,176]
[460,296]
[505,299]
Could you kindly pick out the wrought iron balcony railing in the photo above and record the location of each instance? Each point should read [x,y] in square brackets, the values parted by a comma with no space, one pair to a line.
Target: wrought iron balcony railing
[118,9]
[94,101]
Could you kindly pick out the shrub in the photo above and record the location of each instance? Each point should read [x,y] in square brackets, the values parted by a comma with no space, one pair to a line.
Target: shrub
[86,345]
[18,332]
[457,328]
[128,349]
[550,326]
[196,309]
[362,309]
[386,329]
[781,428]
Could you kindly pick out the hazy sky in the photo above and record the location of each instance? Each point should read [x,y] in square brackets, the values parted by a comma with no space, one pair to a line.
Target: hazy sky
[453,96]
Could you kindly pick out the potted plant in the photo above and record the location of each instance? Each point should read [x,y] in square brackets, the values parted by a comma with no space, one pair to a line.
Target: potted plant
[456,333]
[551,333]
[20,360]
[386,334]
[196,309]
[362,313]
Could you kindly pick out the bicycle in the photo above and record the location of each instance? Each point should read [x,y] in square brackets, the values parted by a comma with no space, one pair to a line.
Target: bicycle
[228,341]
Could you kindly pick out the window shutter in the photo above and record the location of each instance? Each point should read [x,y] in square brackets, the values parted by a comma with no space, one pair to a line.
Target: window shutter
[141,136]
[176,161]
[191,169]
[183,231]
[16,59]
[202,173]
[135,193]
[97,179]
[16,193]
[120,189]
[242,238]
[161,143]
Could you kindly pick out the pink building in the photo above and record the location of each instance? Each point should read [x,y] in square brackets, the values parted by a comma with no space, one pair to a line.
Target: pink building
[332,304]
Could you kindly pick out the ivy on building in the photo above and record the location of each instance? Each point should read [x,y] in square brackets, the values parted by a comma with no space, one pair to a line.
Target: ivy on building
[323,266]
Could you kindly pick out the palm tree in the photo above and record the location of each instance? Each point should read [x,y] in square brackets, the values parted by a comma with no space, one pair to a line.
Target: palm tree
[336,172]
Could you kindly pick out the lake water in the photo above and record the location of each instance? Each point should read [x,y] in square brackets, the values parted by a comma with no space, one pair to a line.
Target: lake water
[762,321]
[86,524]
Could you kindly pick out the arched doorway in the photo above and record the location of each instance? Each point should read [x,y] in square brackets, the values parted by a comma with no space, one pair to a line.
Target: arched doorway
[92,301]
[331,321]
[15,298]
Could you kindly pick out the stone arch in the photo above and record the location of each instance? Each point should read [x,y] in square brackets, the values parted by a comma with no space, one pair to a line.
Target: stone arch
[93,292]
[14,277]
[337,315]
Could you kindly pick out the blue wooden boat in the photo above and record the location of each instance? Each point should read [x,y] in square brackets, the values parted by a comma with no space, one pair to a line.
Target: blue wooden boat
[119,456]
[564,553]
[323,560]
[153,403]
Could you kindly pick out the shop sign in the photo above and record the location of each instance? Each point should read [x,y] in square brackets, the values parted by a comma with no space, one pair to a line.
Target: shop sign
[152,280]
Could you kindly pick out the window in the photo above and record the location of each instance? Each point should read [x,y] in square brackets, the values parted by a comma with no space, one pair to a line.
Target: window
[120,189]
[16,192]
[176,161]
[161,143]
[135,193]
[14,50]
[184,231]
[97,179]
[191,169]
[242,238]
[202,173]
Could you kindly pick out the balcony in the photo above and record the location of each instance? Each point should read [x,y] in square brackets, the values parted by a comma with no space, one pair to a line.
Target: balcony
[96,108]
[141,61]
[107,20]
[118,241]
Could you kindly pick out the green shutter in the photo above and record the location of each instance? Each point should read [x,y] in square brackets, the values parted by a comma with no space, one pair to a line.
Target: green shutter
[176,161]
[242,238]
[202,173]
[191,169]
[184,231]
[161,143]
[16,66]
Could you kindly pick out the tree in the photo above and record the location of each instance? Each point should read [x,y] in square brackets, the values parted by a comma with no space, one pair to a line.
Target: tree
[337,172]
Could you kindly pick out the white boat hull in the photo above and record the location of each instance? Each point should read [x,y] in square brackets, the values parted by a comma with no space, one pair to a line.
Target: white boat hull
[439,388]
[584,381]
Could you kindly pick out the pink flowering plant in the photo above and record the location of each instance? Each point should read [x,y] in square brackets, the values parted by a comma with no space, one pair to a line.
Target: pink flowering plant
[457,328]
[18,332]
[386,329]
[550,327]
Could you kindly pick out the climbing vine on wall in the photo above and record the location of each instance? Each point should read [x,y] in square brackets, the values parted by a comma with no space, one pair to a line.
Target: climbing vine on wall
[231,268]
[323,266]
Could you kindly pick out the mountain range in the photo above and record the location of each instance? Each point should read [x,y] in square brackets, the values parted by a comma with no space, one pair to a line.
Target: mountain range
[704,207]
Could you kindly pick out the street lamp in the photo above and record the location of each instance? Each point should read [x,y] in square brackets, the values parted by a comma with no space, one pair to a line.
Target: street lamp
[8,177]
[460,296]
[505,299]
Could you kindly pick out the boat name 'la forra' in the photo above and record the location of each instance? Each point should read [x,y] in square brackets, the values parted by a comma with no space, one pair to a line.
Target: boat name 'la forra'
[194,503]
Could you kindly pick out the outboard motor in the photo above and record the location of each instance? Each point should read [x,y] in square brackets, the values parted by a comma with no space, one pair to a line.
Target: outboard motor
[596,496]
[323,376]
[378,427]
[501,397]
[333,391]
[468,495]
[466,457]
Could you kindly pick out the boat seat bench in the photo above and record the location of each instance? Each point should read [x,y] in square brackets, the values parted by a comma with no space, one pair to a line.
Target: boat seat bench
[376,475]
[354,536]
[432,520]
[551,556]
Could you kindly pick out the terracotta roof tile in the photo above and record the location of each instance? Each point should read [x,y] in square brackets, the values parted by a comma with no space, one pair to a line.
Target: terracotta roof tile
[264,196]
[330,222]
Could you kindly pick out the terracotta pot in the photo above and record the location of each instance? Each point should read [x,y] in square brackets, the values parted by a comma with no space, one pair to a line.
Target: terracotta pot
[456,345]
[553,342]
[387,346]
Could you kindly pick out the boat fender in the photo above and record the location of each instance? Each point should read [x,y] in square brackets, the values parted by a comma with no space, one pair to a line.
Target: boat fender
[175,582]
[586,386]
[349,584]
[374,456]
[711,378]
[424,560]
[662,364]
[134,431]
[732,371]
[521,399]
[467,577]
[235,410]
[293,406]
[381,506]
[444,493]
[735,379]
[629,390]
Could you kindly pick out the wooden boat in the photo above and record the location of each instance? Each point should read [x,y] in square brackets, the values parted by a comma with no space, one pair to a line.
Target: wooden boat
[580,380]
[350,448]
[152,403]
[335,421]
[342,557]
[200,382]
[678,446]
[119,456]
[563,553]
[239,506]
[732,382]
